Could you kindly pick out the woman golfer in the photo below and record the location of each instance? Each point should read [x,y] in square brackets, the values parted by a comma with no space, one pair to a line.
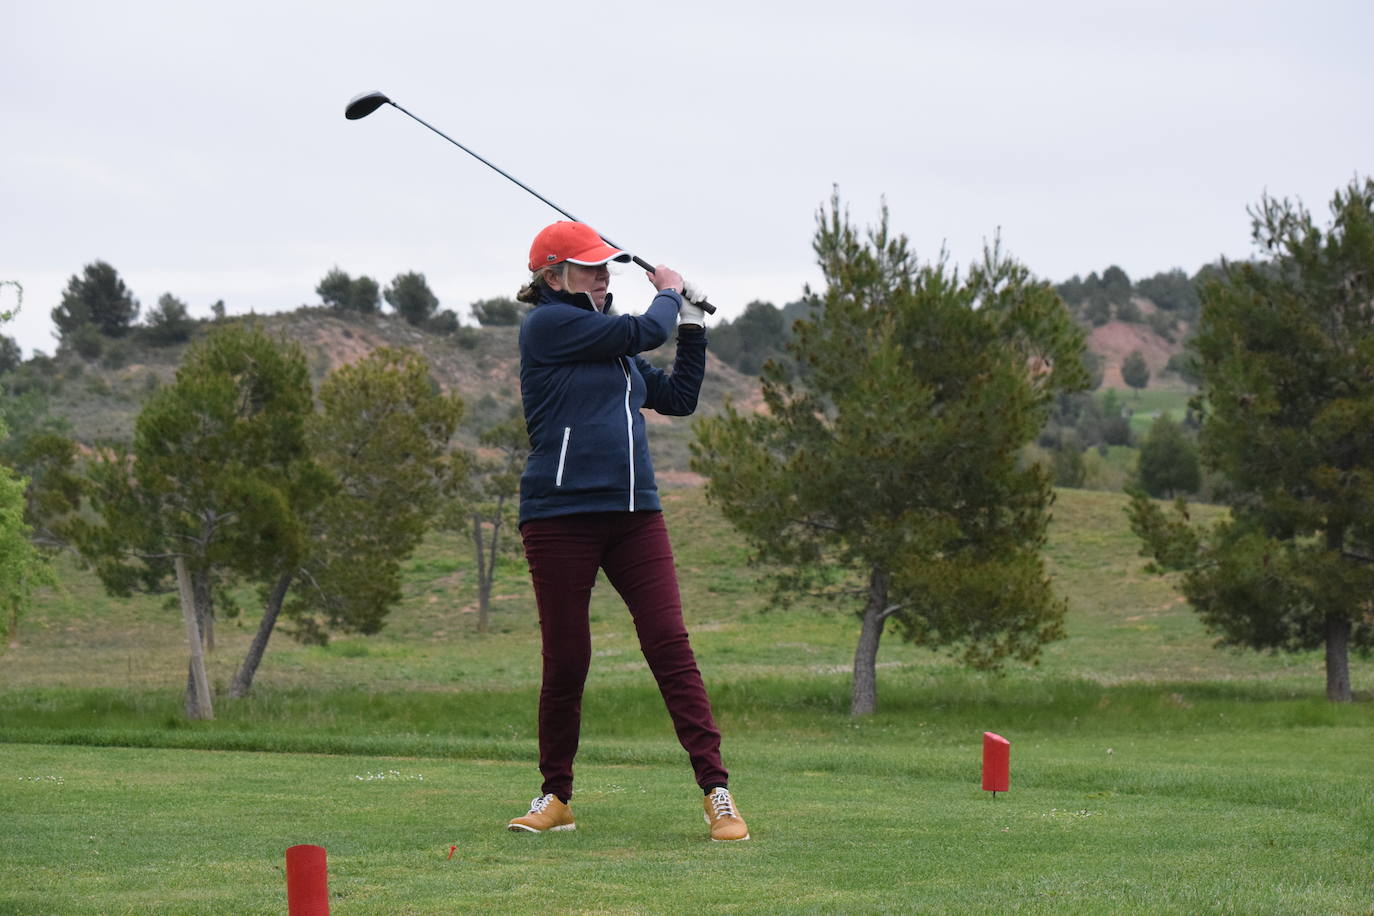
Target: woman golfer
[588,501]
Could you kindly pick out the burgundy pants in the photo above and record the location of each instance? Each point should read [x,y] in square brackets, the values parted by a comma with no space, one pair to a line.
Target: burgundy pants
[564,554]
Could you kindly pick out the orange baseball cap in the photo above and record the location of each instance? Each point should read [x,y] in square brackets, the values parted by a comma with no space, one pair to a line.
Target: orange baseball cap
[577,243]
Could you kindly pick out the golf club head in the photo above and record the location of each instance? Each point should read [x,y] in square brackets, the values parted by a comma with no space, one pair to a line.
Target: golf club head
[363,104]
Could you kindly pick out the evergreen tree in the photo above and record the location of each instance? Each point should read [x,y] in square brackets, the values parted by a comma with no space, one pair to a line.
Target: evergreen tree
[169,322]
[498,312]
[98,298]
[1168,461]
[381,435]
[212,484]
[1286,351]
[341,292]
[1135,371]
[488,504]
[11,356]
[409,294]
[887,469]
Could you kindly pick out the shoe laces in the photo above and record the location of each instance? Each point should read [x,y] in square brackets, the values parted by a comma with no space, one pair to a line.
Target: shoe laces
[722,805]
[539,804]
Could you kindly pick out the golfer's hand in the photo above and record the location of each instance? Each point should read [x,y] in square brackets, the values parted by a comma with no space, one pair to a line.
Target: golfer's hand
[691,314]
[664,277]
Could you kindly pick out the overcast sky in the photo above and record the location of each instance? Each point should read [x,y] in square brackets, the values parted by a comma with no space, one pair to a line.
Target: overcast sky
[202,150]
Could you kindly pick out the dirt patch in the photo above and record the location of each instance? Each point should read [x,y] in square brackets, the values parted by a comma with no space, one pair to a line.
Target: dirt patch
[679,478]
[1116,340]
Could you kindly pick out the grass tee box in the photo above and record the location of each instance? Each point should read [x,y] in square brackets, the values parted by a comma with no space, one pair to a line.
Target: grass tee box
[863,818]
[1149,773]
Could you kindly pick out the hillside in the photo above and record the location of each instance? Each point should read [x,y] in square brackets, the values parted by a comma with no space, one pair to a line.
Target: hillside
[1116,340]
[101,398]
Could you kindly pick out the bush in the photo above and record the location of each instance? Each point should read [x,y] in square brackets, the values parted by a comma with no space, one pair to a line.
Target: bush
[1129,312]
[443,324]
[1168,461]
[169,322]
[86,340]
[117,355]
[498,312]
[342,293]
[1163,324]
[11,354]
[466,338]
[1185,366]
[1067,463]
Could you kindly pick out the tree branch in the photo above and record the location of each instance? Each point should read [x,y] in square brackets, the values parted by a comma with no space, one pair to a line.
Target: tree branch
[890,610]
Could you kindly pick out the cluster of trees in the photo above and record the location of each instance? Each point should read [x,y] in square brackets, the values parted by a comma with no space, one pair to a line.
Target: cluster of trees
[97,308]
[1096,300]
[98,311]
[410,296]
[885,472]
[240,472]
[757,336]
[880,474]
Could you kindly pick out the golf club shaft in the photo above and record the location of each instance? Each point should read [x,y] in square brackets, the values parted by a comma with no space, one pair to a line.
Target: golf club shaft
[703,304]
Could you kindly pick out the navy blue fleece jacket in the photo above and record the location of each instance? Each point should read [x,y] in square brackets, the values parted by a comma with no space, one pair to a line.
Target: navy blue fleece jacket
[583,384]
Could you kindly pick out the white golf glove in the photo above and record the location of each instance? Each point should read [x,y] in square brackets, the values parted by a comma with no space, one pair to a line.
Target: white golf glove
[691,313]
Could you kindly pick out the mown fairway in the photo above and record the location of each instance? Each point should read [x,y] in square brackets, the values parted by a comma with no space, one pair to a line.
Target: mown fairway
[1150,772]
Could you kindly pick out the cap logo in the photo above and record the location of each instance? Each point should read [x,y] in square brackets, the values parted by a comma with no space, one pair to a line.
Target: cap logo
[551,257]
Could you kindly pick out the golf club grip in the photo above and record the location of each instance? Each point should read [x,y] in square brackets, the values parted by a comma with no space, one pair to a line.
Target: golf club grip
[705,306]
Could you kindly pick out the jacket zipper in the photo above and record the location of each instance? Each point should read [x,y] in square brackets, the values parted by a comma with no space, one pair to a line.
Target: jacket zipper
[629,429]
[562,456]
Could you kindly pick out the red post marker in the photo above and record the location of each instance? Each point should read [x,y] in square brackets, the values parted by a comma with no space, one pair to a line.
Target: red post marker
[451,851]
[996,763]
[307,881]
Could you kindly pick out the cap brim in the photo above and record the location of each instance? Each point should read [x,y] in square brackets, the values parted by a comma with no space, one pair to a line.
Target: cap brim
[602,255]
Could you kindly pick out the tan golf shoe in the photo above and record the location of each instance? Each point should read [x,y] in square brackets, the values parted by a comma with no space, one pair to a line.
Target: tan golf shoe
[546,813]
[723,817]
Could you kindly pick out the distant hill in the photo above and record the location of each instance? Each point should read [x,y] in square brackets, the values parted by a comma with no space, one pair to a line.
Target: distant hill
[101,398]
[1115,340]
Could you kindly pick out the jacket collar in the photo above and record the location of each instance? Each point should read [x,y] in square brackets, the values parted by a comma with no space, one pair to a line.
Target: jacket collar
[581,300]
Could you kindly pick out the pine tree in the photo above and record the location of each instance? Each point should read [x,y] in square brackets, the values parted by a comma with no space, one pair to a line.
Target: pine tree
[1168,460]
[885,471]
[1135,371]
[96,298]
[1286,353]
[409,294]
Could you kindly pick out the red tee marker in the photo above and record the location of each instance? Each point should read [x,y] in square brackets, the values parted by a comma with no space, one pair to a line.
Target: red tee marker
[996,763]
[452,850]
[307,881]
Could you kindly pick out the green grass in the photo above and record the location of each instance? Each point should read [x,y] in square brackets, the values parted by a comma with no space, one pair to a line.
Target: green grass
[1145,405]
[1150,771]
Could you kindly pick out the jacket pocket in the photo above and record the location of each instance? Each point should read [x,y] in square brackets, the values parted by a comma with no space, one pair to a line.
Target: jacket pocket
[562,456]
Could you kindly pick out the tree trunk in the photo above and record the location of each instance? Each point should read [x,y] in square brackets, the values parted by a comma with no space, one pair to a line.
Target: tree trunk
[205,608]
[1337,636]
[198,705]
[243,681]
[483,576]
[864,700]
[1338,659]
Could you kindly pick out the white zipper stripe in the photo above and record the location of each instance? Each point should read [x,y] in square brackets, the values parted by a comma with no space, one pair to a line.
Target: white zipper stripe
[562,456]
[629,431]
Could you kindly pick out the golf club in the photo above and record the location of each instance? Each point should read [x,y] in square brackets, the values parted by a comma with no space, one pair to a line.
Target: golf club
[360,106]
